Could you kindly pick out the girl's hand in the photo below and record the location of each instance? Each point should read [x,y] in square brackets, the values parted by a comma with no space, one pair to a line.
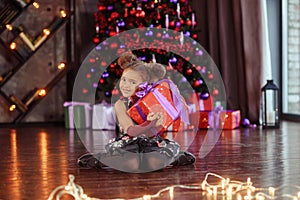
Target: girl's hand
[156,116]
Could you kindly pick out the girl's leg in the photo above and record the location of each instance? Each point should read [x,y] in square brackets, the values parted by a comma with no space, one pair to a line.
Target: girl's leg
[184,158]
[127,162]
[153,162]
[156,159]
[90,160]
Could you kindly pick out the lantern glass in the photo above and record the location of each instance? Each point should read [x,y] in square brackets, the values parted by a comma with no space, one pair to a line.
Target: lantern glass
[270,95]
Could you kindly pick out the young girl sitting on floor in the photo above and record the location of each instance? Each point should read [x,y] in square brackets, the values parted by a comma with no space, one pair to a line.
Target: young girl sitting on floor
[138,148]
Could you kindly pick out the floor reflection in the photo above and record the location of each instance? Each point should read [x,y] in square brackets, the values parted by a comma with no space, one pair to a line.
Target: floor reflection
[37,160]
[95,140]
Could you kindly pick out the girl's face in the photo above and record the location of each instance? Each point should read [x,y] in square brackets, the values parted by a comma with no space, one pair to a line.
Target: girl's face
[129,81]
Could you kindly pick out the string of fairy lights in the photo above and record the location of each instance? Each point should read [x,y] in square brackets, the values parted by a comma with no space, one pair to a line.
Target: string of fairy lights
[25,46]
[226,189]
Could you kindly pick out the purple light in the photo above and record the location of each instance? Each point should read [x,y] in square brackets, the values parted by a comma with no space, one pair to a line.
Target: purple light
[194,43]
[107,93]
[105,43]
[122,46]
[143,58]
[166,35]
[92,70]
[110,7]
[199,53]
[173,60]
[105,75]
[178,23]
[183,80]
[95,85]
[98,48]
[187,34]
[204,95]
[149,33]
[121,23]
[203,70]
[173,1]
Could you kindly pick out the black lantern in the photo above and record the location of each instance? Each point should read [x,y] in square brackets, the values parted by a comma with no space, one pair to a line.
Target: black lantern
[269,105]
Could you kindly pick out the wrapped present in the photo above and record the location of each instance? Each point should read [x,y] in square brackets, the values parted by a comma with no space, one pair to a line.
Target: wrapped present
[104,117]
[230,119]
[162,97]
[178,125]
[222,119]
[77,115]
[200,119]
[198,104]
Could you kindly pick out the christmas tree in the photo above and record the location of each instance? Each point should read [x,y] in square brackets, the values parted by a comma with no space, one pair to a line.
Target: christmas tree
[170,24]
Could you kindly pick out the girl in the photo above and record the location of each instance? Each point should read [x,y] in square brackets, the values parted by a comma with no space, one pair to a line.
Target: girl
[138,148]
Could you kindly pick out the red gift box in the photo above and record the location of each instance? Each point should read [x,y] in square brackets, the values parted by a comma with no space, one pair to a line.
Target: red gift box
[178,125]
[200,119]
[225,119]
[159,98]
[230,119]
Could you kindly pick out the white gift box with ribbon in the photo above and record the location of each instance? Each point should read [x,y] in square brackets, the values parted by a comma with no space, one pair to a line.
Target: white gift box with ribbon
[104,117]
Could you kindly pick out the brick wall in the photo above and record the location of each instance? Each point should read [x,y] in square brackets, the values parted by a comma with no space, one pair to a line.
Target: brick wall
[293,56]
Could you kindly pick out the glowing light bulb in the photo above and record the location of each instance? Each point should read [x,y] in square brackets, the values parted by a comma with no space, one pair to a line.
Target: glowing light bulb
[63,13]
[215,190]
[272,191]
[46,31]
[9,27]
[248,179]
[223,184]
[61,66]
[12,107]
[147,197]
[35,4]
[171,192]
[42,92]
[13,45]
[203,186]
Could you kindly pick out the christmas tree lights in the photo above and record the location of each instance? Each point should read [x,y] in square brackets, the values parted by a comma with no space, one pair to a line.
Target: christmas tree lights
[115,17]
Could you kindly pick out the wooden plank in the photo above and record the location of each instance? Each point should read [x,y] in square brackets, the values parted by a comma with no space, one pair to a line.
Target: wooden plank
[36,160]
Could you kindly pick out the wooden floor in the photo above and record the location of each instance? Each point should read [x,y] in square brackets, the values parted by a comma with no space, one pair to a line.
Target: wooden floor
[36,160]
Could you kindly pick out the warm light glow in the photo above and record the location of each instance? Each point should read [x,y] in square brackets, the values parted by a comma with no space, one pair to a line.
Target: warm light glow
[43,159]
[272,191]
[249,181]
[232,190]
[171,192]
[63,13]
[15,169]
[12,107]
[46,31]
[9,27]
[42,92]
[146,197]
[61,65]
[223,184]
[13,46]
[35,4]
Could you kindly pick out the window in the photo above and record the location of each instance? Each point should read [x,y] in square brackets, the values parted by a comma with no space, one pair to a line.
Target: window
[291,57]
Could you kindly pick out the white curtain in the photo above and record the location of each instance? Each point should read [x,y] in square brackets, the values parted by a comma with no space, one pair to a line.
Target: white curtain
[266,61]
